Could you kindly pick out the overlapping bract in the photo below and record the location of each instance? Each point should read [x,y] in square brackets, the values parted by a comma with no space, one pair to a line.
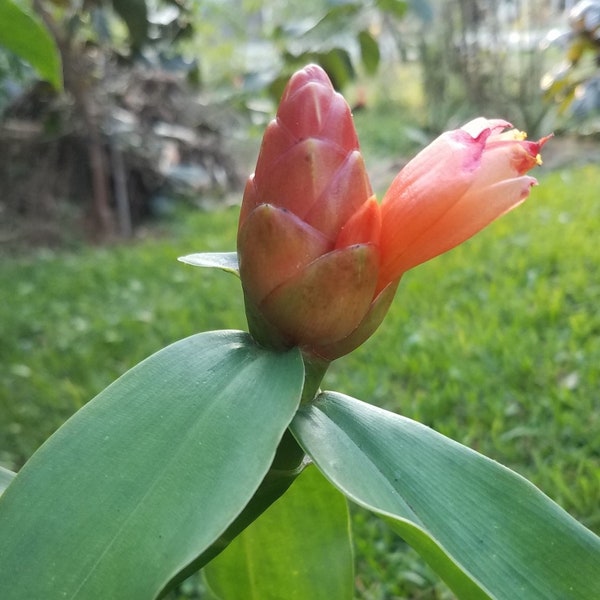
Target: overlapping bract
[320,259]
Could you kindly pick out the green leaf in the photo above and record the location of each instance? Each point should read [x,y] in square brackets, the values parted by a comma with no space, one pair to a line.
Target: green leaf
[6,477]
[369,51]
[486,530]
[338,65]
[135,15]
[227,261]
[147,475]
[396,8]
[298,549]
[24,35]
[337,20]
[289,462]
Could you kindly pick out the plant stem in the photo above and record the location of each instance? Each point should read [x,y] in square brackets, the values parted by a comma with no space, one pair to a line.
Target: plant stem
[314,371]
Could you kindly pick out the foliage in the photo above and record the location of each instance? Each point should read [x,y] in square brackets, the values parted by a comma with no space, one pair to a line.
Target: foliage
[26,37]
[524,403]
[258,46]
[104,45]
[475,62]
[180,406]
[94,40]
[311,513]
[449,503]
[572,85]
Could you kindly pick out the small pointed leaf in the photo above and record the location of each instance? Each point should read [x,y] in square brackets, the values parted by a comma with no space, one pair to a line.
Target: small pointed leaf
[149,474]
[486,530]
[298,549]
[227,261]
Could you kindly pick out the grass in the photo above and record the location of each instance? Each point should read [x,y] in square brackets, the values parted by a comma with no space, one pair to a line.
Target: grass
[73,322]
[496,344]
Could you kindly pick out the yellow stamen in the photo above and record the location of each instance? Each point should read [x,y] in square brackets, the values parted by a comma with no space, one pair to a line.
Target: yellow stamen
[538,159]
[513,135]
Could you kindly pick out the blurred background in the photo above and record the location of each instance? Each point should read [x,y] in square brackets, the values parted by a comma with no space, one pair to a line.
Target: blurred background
[128,128]
[164,100]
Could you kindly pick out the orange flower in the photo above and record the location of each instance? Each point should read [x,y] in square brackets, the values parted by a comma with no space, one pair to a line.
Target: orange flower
[320,260]
[461,182]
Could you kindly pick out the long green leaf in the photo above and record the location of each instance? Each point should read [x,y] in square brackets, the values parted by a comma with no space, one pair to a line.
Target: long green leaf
[487,531]
[28,39]
[147,475]
[299,549]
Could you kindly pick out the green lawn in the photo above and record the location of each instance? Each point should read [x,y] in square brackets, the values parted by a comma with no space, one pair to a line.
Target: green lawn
[496,344]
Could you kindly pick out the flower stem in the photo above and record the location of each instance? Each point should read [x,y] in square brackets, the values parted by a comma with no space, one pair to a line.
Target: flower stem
[314,371]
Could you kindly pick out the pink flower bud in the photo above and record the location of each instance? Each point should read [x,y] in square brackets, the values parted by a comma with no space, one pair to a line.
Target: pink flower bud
[320,259]
[309,227]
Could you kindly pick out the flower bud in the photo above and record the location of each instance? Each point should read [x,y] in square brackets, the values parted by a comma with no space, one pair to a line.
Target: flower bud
[309,226]
[320,259]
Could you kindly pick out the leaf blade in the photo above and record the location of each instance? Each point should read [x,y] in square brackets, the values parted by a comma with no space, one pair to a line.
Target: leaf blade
[160,480]
[24,35]
[485,529]
[226,261]
[369,51]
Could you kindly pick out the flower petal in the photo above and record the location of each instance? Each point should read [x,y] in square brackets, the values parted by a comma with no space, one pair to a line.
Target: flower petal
[481,124]
[425,189]
[475,211]
[327,300]
[363,227]
[273,246]
[346,192]
[479,176]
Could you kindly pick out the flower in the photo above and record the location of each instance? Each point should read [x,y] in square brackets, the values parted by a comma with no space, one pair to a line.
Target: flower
[320,259]
[461,182]
[309,225]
